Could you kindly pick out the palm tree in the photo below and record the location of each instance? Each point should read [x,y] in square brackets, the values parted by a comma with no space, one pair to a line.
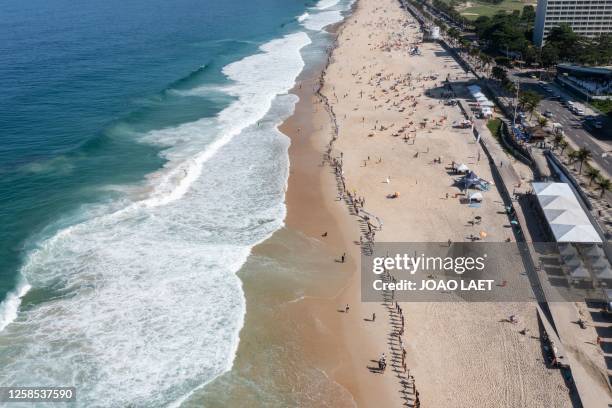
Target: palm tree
[592,173]
[583,155]
[558,139]
[573,155]
[563,145]
[542,121]
[529,101]
[604,185]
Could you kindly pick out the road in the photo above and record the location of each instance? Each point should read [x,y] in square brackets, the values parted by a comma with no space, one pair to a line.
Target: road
[581,133]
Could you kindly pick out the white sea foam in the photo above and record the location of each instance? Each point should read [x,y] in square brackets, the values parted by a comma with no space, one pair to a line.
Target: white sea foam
[325,4]
[10,305]
[318,21]
[146,302]
[303,17]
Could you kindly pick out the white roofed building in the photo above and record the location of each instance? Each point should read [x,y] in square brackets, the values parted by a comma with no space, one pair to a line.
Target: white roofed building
[567,220]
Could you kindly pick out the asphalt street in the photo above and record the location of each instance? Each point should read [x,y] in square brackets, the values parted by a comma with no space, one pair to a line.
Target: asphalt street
[578,130]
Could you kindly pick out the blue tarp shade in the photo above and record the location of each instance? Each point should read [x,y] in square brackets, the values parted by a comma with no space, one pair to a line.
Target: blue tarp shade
[519,134]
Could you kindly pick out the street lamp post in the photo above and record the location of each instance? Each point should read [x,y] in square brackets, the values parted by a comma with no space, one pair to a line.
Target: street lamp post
[518,84]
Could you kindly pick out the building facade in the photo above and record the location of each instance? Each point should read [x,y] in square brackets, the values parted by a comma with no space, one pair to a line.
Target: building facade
[590,18]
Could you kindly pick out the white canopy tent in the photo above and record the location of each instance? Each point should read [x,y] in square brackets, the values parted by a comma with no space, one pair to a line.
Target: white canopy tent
[566,218]
[477,196]
[579,272]
[463,168]
[604,274]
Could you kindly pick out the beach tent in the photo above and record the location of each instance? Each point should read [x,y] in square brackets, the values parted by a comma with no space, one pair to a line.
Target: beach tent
[567,250]
[604,274]
[580,272]
[593,251]
[600,263]
[486,112]
[470,179]
[477,196]
[565,216]
[572,262]
[462,168]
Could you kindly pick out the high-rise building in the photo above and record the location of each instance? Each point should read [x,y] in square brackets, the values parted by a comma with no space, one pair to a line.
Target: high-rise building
[586,17]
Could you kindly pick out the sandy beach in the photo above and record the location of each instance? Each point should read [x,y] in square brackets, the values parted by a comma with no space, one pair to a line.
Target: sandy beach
[395,135]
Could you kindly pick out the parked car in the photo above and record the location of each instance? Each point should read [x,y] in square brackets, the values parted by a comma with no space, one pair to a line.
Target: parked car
[548,114]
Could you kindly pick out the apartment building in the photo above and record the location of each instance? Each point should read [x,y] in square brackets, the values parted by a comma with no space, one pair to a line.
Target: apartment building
[586,17]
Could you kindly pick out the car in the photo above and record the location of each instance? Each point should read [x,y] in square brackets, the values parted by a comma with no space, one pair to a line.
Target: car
[548,114]
[579,112]
[598,124]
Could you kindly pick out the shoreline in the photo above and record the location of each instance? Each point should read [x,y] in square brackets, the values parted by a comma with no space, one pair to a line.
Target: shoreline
[313,208]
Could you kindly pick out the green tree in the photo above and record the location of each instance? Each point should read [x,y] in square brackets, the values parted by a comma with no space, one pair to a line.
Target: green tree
[565,40]
[531,55]
[592,173]
[499,73]
[583,155]
[557,140]
[542,121]
[549,55]
[528,14]
[563,145]
[528,101]
[604,185]
[505,61]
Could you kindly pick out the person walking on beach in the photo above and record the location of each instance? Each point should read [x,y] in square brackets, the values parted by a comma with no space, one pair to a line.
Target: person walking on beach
[346,308]
[343,257]
[373,317]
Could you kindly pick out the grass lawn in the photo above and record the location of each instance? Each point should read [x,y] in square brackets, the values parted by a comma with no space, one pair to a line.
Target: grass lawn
[494,125]
[486,9]
[603,106]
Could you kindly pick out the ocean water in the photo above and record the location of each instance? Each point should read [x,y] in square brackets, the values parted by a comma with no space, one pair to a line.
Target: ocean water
[139,165]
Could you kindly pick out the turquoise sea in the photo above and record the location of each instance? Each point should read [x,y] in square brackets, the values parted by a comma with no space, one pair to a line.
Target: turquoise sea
[139,164]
